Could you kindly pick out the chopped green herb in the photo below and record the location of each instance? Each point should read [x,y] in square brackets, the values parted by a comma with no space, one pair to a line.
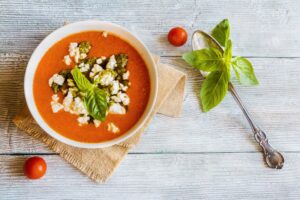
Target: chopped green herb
[55,87]
[84,47]
[122,60]
[91,61]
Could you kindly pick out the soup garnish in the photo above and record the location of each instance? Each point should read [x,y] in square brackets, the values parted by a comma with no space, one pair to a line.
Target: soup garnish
[94,88]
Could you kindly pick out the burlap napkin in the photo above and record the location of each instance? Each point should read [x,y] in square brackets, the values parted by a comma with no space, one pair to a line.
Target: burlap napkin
[99,164]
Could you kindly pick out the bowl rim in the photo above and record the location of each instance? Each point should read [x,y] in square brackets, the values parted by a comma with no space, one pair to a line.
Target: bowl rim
[73,28]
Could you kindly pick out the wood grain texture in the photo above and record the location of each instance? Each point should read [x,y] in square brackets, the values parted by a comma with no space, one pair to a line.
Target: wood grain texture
[159,176]
[259,28]
[274,103]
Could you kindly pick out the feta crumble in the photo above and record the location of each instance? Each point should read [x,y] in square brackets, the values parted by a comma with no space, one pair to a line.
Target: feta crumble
[99,61]
[105,78]
[68,101]
[112,128]
[56,78]
[126,75]
[78,107]
[67,60]
[55,98]
[124,98]
[115,87]
[85,68]
[56,106]
[123,87]
[116,108]
[104,34]
[97,123]
[83,120]
[111,63]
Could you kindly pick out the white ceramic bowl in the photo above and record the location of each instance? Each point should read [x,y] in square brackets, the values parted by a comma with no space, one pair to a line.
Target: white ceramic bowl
[65,31]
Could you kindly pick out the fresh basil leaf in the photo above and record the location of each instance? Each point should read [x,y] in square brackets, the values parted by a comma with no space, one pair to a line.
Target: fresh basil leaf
[228,52]
[81,81]
[222,32]
[208,59]
[214,89]
[244,71]
[96,103]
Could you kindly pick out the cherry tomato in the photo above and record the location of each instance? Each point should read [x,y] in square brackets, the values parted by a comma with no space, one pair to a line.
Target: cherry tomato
[177,36]
[35,167]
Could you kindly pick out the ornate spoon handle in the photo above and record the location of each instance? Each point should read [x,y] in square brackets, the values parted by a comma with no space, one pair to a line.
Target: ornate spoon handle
[273,158]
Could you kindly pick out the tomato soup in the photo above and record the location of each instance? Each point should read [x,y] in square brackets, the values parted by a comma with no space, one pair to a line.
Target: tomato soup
[66,123]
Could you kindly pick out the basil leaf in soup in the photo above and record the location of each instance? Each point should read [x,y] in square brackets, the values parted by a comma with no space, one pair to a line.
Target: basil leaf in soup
[81,81]
[96,103]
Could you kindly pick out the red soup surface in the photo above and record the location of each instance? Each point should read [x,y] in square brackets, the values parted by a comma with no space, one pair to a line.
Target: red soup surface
[65,123]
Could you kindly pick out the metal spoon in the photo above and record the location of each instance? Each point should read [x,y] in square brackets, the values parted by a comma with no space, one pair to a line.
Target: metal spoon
[273,158]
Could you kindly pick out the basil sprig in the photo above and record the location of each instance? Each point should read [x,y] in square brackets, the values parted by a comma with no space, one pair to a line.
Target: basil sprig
[95,99]
[218,64]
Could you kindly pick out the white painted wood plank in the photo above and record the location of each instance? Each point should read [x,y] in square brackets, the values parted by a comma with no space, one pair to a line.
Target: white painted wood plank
[259,28]
[274,103]
[159,176]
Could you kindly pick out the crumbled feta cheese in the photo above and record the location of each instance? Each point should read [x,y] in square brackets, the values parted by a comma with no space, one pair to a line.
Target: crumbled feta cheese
[126,75]
[99,61]
[56,78]
[83,56]
[68,101]
[112,127]
[77,56]
[78,107]
[83,120]
[81,65]
[56,106]
[55,98]
[67,60]
[96,123]
[124,98]
[96,77]
[106,78]
[92,74]
[72,46]
[111,63]
[104,34]
[115,87]
[74,51]
[116,108]
[85,68]
[116,99]
[123,87]
[103,57]
[97,68]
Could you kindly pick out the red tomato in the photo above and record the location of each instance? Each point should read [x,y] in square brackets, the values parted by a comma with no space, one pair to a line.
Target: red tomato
[35,167]
[177,36]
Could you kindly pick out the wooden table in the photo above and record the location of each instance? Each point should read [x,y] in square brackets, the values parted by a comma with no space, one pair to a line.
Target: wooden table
[197,156]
